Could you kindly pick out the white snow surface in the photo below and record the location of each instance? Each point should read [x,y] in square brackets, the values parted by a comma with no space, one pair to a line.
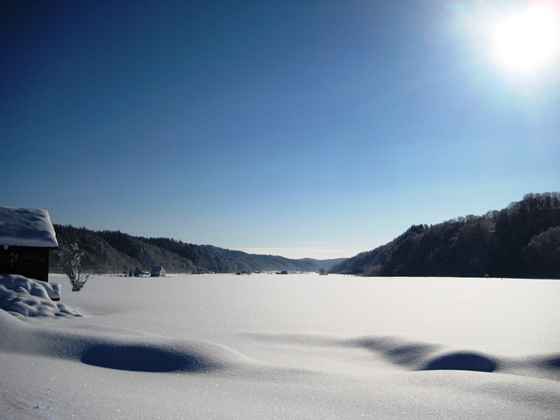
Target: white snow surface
[26,227]
[284,347]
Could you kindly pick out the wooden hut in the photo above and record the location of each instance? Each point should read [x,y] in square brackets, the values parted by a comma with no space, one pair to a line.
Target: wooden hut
[26,236]
[157,271]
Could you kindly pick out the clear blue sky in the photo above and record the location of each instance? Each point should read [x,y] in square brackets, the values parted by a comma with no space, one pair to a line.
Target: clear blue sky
[299,128]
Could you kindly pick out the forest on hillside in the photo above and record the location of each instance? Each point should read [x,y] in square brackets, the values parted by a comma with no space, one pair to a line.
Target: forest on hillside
[520,241]
[117,252]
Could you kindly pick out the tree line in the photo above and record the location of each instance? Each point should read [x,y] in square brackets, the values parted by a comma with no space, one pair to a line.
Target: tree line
[117,252]
[520,241]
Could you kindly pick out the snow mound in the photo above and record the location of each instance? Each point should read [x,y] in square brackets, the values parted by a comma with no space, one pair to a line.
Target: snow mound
[138,358]
[424,356]
[117,351]
[193,357]
[31,298]
[463,361]
[397,351]
[418,356]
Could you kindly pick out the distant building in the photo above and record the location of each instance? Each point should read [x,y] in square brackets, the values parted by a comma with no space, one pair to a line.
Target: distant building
[26,236]
[157,271]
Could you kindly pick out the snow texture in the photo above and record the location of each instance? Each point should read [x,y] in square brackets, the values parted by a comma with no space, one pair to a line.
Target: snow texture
[26,227]
[275,347]
[31,298]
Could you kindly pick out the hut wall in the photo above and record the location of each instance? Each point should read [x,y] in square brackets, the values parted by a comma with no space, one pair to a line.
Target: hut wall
[29,262]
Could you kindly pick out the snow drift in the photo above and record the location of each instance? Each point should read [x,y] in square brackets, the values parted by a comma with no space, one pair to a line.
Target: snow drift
[32,298]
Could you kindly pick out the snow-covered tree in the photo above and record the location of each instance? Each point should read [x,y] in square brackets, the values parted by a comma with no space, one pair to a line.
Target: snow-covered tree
[71,261]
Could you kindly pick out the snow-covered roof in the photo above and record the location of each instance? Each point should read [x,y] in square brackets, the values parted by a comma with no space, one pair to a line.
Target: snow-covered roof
[26,227]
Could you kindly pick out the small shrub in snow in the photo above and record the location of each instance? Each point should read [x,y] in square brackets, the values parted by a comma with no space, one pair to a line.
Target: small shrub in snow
[71,262]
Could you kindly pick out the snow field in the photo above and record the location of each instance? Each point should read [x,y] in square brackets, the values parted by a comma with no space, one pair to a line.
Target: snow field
[267,346]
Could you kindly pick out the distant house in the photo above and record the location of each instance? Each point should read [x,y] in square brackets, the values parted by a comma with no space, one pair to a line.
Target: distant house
[26,236]
[157,271]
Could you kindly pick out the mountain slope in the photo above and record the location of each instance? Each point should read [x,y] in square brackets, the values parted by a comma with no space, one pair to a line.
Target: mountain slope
[522,240]
[256,262]
[117,252]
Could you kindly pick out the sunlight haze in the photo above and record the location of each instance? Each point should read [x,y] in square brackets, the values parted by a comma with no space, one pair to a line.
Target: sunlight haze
[530,38]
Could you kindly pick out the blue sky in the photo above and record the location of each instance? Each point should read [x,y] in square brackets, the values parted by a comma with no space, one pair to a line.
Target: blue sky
[299,128]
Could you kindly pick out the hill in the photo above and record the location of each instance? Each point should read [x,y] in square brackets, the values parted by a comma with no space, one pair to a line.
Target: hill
[117,252]
[256,262]
[520,241]
[326,264]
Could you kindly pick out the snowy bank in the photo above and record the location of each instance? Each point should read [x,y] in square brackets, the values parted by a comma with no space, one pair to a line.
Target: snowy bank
[31,298]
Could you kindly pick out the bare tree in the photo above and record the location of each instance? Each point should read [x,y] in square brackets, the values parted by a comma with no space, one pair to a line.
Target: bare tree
[71,261]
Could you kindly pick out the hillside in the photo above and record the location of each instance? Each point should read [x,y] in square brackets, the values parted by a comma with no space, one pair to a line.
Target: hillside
[256,262]
[117,252]
[326,264]
[520,241]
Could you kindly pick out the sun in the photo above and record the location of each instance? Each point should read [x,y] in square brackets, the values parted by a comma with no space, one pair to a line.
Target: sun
[528,39]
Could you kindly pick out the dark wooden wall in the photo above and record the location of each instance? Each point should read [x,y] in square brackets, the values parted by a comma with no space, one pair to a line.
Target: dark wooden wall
[29,262]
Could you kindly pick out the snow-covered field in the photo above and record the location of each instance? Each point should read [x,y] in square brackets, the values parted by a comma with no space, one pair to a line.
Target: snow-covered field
[267,346]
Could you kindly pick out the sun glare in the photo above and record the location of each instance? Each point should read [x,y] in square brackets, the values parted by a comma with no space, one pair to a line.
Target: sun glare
[529,39]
